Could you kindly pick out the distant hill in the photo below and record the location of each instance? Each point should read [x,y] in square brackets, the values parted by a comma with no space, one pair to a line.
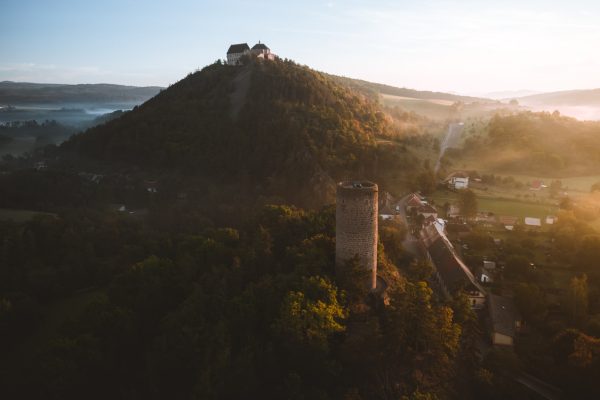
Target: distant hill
[539,143]
[566,98]
[379,88]
[32,93]
[510,94]
[270,128]
[581,104]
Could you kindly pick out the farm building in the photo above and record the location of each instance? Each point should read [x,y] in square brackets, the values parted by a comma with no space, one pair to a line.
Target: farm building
[505,321]
[457,180]
[451,272]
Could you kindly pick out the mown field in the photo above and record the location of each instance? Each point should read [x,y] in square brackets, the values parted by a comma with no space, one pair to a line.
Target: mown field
[574,183]
[435,109]
[500,206]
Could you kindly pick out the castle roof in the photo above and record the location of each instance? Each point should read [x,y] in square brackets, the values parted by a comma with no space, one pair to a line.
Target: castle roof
[238,48]
[260,46]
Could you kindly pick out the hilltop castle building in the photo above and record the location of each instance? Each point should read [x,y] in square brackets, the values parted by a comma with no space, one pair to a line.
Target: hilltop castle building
[237,51]
[356,225]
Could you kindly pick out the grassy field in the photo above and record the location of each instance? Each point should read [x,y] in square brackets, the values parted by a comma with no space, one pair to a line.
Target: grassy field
[515,208]
[435,109]
[19,215]
[501,206]
[575,183]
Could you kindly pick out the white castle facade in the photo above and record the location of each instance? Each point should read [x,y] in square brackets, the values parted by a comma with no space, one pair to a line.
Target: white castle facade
[237,51]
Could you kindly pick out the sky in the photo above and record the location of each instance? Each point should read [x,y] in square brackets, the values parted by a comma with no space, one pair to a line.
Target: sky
[469,47]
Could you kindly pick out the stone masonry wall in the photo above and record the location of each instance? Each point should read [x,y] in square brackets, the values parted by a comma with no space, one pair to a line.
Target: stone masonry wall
[356,225]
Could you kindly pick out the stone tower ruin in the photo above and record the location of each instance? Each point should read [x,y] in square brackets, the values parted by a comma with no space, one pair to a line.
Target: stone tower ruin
[356,225]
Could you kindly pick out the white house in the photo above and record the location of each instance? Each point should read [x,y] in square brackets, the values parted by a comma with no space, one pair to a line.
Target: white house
[486,277]
[386,213]
[235,52]
[487,272]
[529,221]
[458,180]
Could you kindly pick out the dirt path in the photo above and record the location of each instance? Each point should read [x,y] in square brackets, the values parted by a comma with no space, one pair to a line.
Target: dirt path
[237,98]
[450,140]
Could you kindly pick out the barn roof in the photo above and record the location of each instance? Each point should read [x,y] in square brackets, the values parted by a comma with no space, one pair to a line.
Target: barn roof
[451,269]
[503,314]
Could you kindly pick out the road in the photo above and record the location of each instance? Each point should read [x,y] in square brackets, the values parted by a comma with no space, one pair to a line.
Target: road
[540,387]
[450,140]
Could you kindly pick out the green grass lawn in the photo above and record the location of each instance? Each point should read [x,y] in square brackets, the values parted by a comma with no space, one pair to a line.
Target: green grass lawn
[431,108]
[19,215]
[574,183]
[515,208]
[501,206]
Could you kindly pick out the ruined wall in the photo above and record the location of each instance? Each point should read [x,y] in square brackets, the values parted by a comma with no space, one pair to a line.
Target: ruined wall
[356,224]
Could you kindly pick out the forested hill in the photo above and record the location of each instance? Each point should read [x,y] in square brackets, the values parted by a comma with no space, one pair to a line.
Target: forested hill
[375,89]
[284,128]
[34,93]
[539,143]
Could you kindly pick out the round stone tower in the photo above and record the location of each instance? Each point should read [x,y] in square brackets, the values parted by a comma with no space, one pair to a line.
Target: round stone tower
[356,225]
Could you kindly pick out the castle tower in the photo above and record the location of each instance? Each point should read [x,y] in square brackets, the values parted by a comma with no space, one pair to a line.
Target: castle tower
[356,225]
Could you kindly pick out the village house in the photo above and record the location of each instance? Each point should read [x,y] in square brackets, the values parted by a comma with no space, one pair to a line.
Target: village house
[451,272]
[486,277]
[485,217]
[508,222]
[237,51]
[386,206]
[427,210]
[386,213]
[530,221]
[505,321]
[458,180]
[487,272]
[413,202]
[453,211]
[537,185]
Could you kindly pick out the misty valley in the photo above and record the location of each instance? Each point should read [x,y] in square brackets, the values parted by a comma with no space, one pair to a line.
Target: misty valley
[382,201]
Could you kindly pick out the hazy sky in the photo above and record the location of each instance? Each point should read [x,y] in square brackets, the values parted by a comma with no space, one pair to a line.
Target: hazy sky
[462,46]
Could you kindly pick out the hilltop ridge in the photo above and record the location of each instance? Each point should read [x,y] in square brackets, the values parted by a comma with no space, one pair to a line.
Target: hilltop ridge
[27,93]
[276,127]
